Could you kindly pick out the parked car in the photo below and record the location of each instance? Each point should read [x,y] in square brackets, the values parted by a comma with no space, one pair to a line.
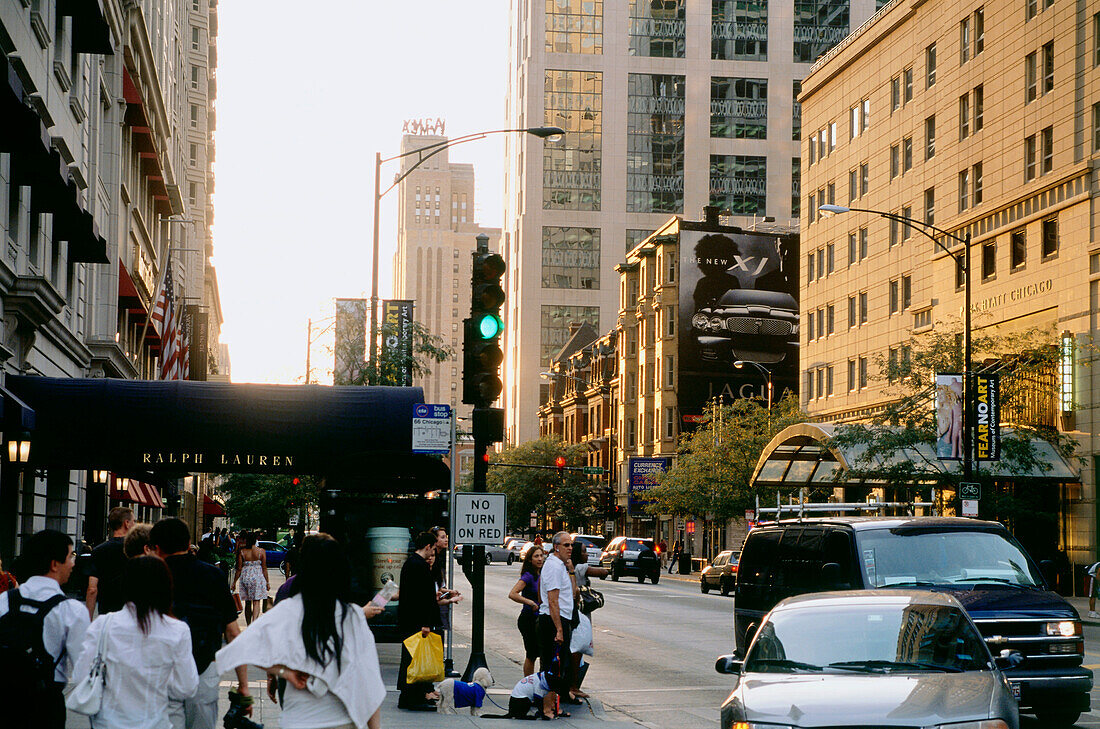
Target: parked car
[492,554]
[721,573]
[629,556]
[276,553]
[515,546]
[978,562]
[905,658]
[593,546]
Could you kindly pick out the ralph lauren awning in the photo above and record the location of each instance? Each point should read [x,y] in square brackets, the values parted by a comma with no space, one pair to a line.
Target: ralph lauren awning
[140,426]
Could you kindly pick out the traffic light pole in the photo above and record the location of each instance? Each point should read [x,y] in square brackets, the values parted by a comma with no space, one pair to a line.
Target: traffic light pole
[476,574]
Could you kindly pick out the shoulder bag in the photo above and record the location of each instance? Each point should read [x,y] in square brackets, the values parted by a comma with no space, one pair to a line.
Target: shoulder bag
[589,600]
[87,695]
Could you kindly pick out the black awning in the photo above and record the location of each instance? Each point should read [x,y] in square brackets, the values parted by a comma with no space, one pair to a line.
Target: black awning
[184,426]
[91,32]
[16,414]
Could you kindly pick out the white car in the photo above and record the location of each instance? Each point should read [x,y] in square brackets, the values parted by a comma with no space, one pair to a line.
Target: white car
[593,545]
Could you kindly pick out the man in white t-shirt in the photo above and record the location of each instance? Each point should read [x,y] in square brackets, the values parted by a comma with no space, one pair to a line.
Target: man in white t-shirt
[1093,584]
[556,590]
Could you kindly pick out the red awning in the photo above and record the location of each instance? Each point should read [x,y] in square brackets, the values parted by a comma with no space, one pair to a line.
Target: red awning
[210,507]
[130,494]
[153,494]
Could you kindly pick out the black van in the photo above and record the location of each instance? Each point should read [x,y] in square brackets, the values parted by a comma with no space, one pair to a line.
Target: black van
[978,562]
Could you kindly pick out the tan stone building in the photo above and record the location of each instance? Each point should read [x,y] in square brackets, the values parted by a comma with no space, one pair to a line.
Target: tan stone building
[984,119]
[436,234]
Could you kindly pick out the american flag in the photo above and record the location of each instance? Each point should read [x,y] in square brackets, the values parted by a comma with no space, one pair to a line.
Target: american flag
[167,315]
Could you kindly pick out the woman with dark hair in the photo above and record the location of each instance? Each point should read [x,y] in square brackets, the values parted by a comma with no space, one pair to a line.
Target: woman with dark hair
[526,593]
[147,652]
[582,575]
[320,643]
[252,573]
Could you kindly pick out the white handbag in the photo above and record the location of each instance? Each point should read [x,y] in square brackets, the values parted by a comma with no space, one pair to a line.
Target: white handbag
[87,695]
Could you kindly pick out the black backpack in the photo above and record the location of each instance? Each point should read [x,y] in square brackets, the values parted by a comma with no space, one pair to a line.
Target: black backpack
[207,627]
[26,667]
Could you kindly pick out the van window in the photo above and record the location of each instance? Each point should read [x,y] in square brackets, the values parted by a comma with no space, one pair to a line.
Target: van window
[838,549]
[762,552]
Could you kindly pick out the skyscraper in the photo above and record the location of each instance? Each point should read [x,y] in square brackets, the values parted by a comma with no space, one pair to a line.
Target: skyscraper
[667,107]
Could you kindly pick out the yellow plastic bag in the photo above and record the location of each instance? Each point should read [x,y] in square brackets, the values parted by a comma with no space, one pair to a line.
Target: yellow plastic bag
[427,657]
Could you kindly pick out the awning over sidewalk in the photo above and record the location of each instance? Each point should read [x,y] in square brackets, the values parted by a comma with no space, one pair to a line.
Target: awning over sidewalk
[210,507]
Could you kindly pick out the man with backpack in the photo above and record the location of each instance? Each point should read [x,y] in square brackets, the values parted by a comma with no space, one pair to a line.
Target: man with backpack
[200,598]
[41,632]
[108,561]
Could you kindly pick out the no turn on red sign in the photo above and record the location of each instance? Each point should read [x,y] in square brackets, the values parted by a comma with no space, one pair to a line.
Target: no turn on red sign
[480,518]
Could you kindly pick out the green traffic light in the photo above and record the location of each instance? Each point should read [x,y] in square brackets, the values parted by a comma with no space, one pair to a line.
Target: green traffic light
[490,326]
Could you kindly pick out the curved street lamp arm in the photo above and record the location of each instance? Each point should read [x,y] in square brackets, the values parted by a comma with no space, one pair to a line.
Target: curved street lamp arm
[914,222]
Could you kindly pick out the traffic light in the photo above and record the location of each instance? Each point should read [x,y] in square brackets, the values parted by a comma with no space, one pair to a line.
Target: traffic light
[560,463]
[481,352]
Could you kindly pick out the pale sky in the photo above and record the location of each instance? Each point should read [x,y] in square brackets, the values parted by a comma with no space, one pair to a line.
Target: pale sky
[307,93]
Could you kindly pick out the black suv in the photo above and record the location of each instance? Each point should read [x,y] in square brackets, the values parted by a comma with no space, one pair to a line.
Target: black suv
[628,556]
[978,562]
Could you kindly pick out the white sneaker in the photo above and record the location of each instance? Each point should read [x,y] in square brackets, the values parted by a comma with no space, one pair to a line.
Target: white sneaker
[1094,614]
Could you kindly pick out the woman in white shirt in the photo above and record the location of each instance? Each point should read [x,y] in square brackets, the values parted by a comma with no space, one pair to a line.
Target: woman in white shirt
[320,643]
[147,652]
[582,574]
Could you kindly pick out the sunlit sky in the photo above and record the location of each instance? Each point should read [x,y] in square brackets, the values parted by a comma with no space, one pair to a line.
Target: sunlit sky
[306,95]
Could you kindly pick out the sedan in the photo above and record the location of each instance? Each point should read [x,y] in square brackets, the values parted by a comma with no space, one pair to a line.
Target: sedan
[492,554]
[276,552]
[721,573]
[882,658]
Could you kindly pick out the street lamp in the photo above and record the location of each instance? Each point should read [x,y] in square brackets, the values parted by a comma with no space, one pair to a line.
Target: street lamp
[554,375]
[423,155]
[962,260]
[764,371]
[19,448]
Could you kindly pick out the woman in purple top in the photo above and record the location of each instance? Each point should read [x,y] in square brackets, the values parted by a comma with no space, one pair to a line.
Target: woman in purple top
[526,593]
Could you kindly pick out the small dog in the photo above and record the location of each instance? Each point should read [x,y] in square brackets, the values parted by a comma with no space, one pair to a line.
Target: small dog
[455,694]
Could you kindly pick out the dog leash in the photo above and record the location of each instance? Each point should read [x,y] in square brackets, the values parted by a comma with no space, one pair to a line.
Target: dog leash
[493,702]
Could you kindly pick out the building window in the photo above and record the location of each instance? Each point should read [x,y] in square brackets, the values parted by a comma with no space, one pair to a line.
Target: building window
[796,186]
[818,26]
[865,114]
[989,260]
[655,143]
[574,27]
[930,206]
[739,108]
[1032,8]
[796,112]
[964,116]
[863,243]
[631,433]
[976,198]
[964,40]
[895,94]
[895,160]
[853,185]
[979,107]
[930,66]
[930,137]
[853,122]
[829,381]
[1018,252]
[895,295]
[657,29]
[906,154]
[1096,127]
[555,321]
[830,319]
[960,274]
[893,232]
[830,258]
[979,31]
[670,423]
[922,319]
[864,178]
[195,77]
[907,84]
[852,375]
[1048,149]
[196,39]
[906,292]
[964,190]
[570,258]
[1096,40]
[1031,77]
[634,236]
[1048,67]
[862,372]
[571,165]
[1050,237]
[739,183]
[670,371]
[194,116]
[851,311]
[853,256]
[906,229]
[739,30]
[1029,157]
[862,307]
[811,275]
[810,336]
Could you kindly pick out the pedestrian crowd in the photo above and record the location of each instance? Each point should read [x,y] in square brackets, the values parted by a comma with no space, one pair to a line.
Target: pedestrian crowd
[158,628]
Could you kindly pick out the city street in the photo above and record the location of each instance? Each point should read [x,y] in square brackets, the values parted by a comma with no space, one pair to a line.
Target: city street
[655,648]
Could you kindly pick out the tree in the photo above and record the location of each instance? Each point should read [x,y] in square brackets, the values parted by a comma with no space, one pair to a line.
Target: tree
[566,497]
[266,501]
[712,475]
[893,447]
[427,349]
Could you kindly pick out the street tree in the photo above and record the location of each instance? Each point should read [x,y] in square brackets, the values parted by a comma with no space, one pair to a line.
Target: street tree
[894,446]
[565,497]
[267,501]
[427,350]
[712,473]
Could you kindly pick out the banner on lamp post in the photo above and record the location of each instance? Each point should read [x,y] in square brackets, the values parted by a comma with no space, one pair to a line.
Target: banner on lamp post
[949,416]
[397,316]
[987,417]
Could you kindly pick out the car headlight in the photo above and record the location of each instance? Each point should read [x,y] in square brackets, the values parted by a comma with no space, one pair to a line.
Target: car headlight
[980,724]
[1064,628]
[717,323]
[699,321]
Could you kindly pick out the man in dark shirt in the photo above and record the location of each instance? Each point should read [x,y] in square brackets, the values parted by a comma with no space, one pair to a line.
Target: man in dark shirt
[201,598]
[417,611]
[108,560]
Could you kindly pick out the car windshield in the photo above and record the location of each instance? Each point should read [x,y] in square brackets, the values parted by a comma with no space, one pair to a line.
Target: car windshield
[868,639]
[590,542]
[901,558]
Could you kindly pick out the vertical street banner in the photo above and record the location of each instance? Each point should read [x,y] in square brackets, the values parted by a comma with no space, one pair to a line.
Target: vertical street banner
[397,316]
[738,304]
[642,474]
[350,345]
[987,417]
[200,342]
[949,416]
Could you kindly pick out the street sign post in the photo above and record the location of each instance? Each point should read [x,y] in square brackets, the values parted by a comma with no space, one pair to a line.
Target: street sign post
[969,490]
[969,507]
[593,470]
[431,429]
[480,518]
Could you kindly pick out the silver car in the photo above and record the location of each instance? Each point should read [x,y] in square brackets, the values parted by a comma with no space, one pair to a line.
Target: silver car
[886,658]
